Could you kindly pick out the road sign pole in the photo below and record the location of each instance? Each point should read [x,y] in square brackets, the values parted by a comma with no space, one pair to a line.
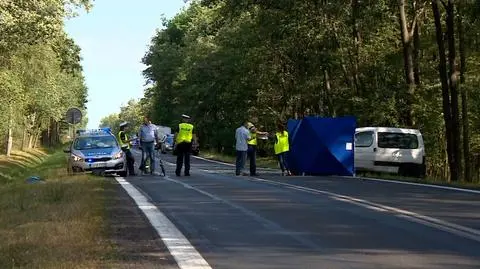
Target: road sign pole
[73,126]
[74,116]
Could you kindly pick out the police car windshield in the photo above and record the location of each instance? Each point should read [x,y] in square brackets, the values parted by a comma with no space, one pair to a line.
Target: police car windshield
[95,142]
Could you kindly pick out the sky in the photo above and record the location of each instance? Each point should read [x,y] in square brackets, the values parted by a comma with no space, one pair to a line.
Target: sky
[114,36]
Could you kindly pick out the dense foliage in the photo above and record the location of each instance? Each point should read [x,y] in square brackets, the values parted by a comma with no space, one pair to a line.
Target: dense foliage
[389,63]
[132,113]
[40,71]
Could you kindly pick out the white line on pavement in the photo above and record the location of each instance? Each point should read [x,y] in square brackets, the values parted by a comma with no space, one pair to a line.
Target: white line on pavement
[186,256]
[425,220]
[265,222]
[213,161]
[416,184]
[229,164]
[377,179]
[459,230]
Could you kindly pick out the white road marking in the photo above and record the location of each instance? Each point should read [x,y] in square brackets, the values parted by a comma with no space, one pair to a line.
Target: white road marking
[229,164]
[270,225]
[376,179]
[459,230]
[213,161]
[186,256]
[452,228]
[417,184]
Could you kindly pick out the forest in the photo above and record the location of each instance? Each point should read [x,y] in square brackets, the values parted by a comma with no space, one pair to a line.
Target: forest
[40,72]
[409,64]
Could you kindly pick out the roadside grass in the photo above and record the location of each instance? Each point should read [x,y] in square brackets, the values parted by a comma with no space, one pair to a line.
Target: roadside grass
[271,162]
[56,224]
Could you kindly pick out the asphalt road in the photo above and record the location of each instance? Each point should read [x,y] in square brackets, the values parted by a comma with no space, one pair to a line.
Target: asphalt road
[316,222]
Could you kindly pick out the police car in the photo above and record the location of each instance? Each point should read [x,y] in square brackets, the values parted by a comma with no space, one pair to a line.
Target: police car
[96,151]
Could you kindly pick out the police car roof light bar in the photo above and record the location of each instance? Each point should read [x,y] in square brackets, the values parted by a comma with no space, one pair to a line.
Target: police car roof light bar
[105,130]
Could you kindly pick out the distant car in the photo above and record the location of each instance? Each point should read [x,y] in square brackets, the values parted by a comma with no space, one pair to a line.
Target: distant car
[162,141]
[169,142]
[96,151]
[135,142]
[195,148]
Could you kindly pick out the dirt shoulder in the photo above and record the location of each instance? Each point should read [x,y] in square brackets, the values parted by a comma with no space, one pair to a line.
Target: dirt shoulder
[136,243]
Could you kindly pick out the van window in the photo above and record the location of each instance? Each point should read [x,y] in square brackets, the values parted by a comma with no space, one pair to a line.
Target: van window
[364,139]
[397,140]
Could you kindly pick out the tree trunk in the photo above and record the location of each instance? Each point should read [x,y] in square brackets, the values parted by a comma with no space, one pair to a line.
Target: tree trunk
[31,137]
[328,94]
[453,74]
[407,62]
[57,132]
[8,150]
[442,68]
[24,137]
[9,142]
[35,139]
[357,41]
[464,96]
[416,53]
[349,80]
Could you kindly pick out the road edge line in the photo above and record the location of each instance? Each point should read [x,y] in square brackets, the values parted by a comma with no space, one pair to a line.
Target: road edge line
[184,253]
[228,164]
[393,181]
[445,226]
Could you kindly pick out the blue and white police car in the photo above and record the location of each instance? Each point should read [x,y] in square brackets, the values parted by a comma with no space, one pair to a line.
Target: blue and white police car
[96,151]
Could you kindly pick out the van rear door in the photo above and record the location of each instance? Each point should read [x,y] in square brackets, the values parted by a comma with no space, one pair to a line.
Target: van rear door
[397,147]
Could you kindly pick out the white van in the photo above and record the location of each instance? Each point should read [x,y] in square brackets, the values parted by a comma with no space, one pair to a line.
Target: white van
[390,150]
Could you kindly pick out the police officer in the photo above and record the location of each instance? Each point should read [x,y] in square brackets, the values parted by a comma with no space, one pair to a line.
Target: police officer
[282,147]
[125,145]
[252,147]
[183,144]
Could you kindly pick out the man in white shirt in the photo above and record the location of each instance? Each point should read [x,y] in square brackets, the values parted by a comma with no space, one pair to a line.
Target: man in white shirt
[242,135]
[148,137]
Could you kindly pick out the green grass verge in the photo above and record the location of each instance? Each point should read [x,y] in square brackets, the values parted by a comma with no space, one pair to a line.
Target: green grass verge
[57,224]
[271,162]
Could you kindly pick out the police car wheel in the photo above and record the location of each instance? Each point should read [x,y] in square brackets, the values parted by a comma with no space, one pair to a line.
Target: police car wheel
[123,174]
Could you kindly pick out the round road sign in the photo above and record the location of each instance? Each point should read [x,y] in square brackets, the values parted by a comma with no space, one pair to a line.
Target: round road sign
[74,115]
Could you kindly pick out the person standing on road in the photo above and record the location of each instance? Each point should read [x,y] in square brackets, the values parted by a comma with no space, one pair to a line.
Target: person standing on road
[252,148]
[184,137]
[148,135]
[282,147]
[242,136]
[125,145]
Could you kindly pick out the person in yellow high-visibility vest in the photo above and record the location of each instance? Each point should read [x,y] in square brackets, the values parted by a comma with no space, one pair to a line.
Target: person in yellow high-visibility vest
[184,137]
[252,147]
[282,147]
[125,145]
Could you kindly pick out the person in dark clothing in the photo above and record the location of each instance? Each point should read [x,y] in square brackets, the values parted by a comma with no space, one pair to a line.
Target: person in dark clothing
[252,147]
[125,145]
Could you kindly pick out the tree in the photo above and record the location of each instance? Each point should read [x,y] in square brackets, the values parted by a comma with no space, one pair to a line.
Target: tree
[42,64]
[226,61]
